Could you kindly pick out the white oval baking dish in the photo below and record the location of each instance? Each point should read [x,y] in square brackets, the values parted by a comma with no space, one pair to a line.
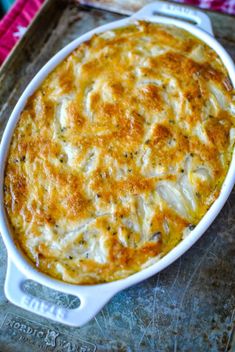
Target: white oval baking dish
[93,297]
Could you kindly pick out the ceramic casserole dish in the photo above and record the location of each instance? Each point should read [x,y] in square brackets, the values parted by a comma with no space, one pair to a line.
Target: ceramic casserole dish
[94,297]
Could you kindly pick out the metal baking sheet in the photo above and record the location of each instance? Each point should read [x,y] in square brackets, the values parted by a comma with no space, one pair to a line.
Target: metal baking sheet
[190,306]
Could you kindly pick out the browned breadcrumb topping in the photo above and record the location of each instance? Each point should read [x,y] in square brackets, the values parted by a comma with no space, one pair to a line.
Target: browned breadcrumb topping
[119,153]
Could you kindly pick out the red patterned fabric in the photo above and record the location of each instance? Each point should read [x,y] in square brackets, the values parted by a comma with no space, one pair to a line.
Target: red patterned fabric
[226,6]
[14,24]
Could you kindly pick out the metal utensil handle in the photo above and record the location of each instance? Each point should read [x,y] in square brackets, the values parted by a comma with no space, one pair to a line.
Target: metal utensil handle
[15,293]
[200,19]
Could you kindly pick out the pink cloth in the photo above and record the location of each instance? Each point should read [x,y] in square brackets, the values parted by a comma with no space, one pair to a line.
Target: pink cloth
[226,6]
[14,24]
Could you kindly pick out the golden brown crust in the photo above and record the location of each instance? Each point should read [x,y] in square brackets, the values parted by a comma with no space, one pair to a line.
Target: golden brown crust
[120,151]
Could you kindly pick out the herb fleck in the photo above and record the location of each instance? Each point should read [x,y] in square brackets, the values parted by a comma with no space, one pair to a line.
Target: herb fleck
[156,236]
[191,227]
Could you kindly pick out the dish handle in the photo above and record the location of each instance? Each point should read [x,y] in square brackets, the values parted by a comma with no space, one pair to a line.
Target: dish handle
[199,18]
[90,304]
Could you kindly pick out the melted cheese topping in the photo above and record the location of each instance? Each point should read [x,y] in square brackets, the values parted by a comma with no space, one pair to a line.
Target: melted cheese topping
[119,153]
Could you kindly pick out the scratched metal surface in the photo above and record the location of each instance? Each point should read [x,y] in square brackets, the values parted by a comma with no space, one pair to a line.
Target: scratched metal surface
[190,306]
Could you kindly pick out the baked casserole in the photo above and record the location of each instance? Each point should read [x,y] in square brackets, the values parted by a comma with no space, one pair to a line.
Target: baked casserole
[119,153]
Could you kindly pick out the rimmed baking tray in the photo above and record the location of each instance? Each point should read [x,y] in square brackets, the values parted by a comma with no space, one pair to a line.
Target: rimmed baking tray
[189,306]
